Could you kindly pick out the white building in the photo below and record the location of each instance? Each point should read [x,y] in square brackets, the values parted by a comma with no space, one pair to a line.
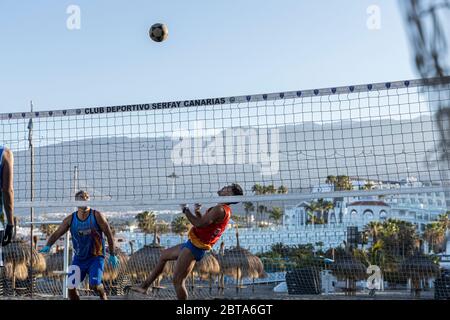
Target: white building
[295,216]
[353,211]
[419,209]
[363,211]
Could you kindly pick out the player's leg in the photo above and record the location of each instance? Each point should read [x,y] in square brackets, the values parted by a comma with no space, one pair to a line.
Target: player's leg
[73,293]
[183,267]
[96,277]
[167,255]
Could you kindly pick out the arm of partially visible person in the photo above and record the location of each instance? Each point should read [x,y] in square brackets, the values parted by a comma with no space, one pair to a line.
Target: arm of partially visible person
[8,185]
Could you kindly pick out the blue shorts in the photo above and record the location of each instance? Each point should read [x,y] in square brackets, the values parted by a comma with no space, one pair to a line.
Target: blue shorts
[93,266]
[196,252]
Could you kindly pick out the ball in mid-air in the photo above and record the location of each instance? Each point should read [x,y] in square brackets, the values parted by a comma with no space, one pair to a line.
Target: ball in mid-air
[158,32]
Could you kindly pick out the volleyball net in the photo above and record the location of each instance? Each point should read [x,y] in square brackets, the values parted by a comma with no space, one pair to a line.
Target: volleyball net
[175,152]
[295,154]
[388,267]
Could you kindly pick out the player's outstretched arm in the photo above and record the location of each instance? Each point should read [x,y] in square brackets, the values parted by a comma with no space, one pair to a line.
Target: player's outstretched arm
[106,229]
[62,229]
[213,215]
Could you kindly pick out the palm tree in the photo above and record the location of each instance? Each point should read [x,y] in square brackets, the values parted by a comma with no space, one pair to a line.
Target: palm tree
[324,207]
[368,186]
[373,229]
[180,225]
[320,244]
[162,227]
[331,180]
[282,189]
[399,237]
[276,214]
[48,229]
[261,209]
[248,207]
[409,238]
[146,223]
[386,243]
[257,189]
[311,210]
[444,220]
[270,189]
[343,183]
[434,234]
[340,183]
[321,207]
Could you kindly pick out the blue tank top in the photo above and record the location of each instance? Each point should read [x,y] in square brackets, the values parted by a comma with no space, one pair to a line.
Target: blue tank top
[87,237]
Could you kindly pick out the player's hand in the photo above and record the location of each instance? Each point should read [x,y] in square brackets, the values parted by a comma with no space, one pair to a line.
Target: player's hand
[198,206]
[113,261]
[184,207]
[8,235]
[45,249]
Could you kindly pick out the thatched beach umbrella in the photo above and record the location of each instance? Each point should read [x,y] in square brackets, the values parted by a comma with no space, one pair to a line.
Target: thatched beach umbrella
[141,262]
[116,280]
[15,256]
[16,264]
[206,269]
[219,258]
[144,260]
[240,263]
[111,274]
[37,260]
[346,267]
[55,262]
[418,267]
[16,259]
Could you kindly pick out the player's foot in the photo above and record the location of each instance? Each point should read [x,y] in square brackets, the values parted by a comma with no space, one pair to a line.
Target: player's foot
[139,289]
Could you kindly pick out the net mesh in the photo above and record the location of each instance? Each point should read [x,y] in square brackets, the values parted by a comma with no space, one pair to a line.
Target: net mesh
[151,153]
[369,264]
[337,183]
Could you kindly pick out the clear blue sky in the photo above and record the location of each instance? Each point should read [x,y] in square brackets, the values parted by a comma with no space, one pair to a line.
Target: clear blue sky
[215,48]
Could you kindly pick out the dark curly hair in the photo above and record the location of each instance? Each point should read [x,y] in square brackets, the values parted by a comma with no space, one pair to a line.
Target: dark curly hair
[237,190]
[82,193]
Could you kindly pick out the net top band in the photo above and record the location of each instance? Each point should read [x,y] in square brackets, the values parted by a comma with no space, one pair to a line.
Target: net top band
[228,100]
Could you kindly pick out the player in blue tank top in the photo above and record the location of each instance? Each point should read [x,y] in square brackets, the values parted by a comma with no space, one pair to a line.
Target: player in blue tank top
[6,195]
[87,227]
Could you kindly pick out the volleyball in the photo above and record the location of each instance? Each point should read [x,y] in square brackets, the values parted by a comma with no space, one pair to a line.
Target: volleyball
[158,32]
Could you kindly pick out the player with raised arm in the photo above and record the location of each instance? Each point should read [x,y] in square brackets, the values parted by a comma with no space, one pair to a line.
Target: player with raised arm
[87,227]
[205,232]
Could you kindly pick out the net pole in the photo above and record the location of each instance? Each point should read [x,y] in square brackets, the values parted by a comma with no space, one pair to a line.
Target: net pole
[75,180]
[67,242]
[30,140]
[66,266]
